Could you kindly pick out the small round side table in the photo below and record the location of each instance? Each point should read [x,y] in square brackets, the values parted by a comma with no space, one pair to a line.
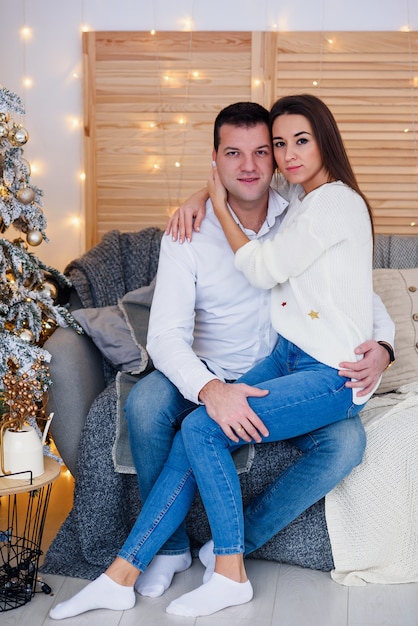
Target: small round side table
[21,537]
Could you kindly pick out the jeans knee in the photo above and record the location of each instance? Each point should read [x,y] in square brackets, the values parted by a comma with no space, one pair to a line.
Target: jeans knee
[352,445]
[195,426]
[359,442]
[187,426]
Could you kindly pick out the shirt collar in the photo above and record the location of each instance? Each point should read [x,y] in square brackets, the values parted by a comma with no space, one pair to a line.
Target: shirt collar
[276,208]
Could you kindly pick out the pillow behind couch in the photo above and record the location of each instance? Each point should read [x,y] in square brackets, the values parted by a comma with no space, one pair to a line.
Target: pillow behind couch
[398,288]
[120,331]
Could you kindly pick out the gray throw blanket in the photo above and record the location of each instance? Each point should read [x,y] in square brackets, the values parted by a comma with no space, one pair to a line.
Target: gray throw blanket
[106,503]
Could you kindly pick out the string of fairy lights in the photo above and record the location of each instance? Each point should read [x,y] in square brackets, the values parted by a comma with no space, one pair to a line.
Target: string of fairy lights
[161,162]
[162,78]
[413,86]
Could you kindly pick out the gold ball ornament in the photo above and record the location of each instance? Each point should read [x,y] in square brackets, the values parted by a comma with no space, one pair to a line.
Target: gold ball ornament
[18,136]
[26,335]
[4,130]
[48,327]
[34,237]
[50,289]
[4,117]
[25,195]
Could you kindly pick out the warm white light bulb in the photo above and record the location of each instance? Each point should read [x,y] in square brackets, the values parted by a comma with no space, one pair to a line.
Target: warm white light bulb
[26,32]
[85,28]
[187,24]
[75,221]
[152,32]
[27,82]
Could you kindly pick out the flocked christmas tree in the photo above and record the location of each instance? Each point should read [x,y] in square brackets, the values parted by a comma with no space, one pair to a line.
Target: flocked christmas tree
[30,291]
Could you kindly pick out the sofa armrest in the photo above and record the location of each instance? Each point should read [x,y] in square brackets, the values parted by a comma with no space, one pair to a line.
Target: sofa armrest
[76,370]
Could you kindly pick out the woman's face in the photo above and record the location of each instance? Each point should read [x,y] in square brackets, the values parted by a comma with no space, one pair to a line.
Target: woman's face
[296,152]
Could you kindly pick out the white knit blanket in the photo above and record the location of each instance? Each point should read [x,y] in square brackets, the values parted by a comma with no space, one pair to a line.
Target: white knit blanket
[372,515]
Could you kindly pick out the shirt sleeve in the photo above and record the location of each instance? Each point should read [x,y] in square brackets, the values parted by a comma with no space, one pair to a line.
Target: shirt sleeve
[171,325]
[383,325]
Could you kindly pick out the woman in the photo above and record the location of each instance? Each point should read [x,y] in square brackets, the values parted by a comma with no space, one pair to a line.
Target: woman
[322,287]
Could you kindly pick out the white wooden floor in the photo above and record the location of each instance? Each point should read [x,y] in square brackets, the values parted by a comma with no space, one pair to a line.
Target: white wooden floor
[283,595]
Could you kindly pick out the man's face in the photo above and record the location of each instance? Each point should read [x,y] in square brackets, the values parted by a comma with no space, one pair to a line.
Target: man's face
[245,163]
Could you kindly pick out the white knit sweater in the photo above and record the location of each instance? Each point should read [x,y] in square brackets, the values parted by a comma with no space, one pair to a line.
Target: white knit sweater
[320,268]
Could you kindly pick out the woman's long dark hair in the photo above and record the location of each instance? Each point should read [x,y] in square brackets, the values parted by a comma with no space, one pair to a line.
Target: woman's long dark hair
[327,135]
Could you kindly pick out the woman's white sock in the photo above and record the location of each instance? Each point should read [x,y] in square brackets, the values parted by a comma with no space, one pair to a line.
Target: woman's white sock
[215,595]
[208,559]
[102,593]
[158,576]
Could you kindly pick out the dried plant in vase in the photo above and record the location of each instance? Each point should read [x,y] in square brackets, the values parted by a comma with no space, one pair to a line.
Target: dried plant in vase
[20,438]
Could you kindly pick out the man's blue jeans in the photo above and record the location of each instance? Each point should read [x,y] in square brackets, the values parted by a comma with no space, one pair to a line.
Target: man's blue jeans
[329,454]
[154,411]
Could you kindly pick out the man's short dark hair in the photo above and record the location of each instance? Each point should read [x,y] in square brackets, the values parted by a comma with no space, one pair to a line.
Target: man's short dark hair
[245,114]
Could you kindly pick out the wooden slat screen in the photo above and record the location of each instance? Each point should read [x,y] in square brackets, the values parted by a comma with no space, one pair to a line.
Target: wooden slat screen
[150,102]
[149,119]
[370,82]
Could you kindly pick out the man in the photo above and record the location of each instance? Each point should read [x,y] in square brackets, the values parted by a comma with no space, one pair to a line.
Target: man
[208,325]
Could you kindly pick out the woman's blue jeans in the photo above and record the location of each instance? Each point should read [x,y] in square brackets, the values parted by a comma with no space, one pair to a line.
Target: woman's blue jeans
[304,396]
[308,404]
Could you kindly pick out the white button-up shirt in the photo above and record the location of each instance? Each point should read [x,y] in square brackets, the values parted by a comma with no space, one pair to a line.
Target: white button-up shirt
[204,311]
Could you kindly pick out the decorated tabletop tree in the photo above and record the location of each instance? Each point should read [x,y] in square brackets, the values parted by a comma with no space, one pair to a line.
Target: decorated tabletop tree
[30,291]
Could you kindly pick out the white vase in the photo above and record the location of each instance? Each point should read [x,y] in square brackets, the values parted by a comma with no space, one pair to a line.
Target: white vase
[22,452]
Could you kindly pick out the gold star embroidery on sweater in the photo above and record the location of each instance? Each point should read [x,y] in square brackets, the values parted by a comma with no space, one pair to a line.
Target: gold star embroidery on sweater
[314,315]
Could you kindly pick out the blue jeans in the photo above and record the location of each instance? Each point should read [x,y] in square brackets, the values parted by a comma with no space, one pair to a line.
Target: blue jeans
[304,396]
[329,454]
[154,411]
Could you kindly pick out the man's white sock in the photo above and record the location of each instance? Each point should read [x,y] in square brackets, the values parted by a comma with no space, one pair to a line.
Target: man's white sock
[158,576]
[208,559]
[215,595]
[102,593]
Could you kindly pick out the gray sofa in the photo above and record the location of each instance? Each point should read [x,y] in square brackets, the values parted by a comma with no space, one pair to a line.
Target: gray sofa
[84,399]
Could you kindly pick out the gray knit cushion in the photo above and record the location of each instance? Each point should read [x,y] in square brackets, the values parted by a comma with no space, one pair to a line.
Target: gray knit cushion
[399,291]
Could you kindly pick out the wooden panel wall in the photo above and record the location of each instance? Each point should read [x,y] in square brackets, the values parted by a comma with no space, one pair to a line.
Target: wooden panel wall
[150,102]
[370,82]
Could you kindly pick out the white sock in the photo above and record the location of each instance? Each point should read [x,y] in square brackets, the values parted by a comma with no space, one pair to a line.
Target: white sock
[102,593]
[208,559]
[215,595]
[158,576]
